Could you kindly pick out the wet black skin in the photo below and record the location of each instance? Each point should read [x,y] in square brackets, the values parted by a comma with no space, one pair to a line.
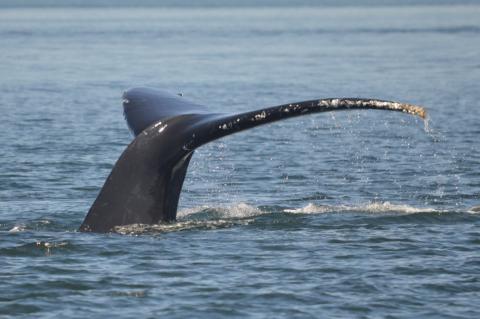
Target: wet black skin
[145,184]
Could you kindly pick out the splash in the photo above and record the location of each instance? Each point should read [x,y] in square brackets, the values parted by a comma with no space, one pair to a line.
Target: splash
[240,210]
[17,229]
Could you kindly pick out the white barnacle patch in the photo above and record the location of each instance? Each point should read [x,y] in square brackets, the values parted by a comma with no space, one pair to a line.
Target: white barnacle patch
[381,103]
[260,116]
[351,103]
[157,124]
[160,130]
[323,103]
[224,127]
[373,104]
[396,105]
[126,101]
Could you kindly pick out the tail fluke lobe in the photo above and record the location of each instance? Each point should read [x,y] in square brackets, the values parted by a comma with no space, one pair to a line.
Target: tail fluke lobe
[219,125]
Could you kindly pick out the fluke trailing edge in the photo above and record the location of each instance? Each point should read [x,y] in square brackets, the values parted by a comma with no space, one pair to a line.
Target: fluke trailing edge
[145,184]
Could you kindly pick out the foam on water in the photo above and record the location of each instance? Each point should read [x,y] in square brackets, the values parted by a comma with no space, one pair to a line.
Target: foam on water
[243,210]
[216,217]
[137,229]
[373,207]
[201,217]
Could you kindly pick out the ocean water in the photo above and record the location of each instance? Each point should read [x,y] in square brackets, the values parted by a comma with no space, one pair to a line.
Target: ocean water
[360,214]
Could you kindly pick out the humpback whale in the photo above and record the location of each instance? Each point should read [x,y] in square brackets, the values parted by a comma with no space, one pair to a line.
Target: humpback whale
[144,185]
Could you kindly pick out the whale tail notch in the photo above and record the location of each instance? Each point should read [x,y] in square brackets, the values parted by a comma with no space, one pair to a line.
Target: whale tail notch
[145,184]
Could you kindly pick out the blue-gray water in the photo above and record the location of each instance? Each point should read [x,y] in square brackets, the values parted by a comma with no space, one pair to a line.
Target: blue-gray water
[354,214]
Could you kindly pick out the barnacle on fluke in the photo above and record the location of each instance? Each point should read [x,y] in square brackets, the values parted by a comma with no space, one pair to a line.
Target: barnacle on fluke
[145,183]
[373,104]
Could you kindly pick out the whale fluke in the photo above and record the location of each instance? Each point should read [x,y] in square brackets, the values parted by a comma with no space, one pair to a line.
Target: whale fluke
[145,183]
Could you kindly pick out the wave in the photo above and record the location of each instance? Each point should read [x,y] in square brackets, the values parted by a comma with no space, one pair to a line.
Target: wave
[450,30]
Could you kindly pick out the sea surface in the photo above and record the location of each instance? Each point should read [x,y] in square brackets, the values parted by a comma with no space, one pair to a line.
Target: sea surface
[354,214]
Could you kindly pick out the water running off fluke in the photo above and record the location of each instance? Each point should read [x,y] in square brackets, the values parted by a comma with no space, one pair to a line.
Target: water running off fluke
[145,183]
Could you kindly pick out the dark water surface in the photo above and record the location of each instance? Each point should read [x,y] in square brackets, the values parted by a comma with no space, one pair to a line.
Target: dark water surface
[353,214]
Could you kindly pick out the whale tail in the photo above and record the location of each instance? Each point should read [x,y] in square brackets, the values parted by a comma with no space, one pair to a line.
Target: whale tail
[145,184]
